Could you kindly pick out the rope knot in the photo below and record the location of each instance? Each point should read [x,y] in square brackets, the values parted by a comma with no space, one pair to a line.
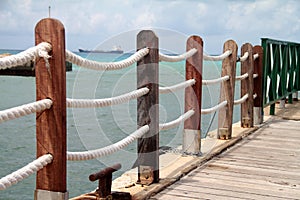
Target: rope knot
[42,51]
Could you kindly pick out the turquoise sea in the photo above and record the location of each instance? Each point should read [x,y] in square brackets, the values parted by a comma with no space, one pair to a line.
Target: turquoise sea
[95,128]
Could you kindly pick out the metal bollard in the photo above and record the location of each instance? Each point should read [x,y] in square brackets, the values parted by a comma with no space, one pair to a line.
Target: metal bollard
[104,186]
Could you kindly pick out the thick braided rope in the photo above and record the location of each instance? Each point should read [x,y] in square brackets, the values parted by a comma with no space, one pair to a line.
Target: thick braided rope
[244,57]
[254,96]
[215,81]
[26,109]
[241,100]
[96,103]
[97,153]
[90,64]
[177,121]
[25,171]
[179,86]
[241,77]
[255,56]
[24,57]
[215,108]
[219,57]
[184,56]
[255,75]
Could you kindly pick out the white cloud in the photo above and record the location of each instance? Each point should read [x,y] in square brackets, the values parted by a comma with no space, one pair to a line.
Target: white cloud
[85,21]
[144,19]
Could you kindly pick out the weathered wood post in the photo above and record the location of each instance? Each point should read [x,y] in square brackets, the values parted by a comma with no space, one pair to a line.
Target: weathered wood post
[258,86]
[147,109]
[192,126]
[227,91]
[51,124]
[247,87]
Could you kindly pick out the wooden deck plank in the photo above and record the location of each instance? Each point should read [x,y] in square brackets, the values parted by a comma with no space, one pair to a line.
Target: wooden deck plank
[260,161]
[219,191]
[266,156]
[245,178]
[265,165]
[238,186]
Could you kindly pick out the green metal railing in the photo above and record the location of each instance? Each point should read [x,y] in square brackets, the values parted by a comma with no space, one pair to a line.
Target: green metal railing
[281,71]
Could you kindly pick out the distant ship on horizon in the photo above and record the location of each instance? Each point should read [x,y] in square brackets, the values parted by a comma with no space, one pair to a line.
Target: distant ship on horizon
[115,49]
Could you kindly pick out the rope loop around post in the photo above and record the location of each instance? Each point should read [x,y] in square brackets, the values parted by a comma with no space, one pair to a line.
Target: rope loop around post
[241,77]
[217,58]
[27,109]
[215,108]
[241,100]
[177,121]
[244,57]
[25,171]
[215,81]
[179,86]
[24,57]
[184,56]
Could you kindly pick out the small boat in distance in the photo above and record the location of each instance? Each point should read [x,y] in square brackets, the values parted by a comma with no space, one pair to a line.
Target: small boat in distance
[115,49]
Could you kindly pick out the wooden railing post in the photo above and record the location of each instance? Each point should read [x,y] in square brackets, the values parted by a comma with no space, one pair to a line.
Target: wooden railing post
[258,85]
[51,124]
[192,126]
[227,91]
[147,109]
[247,87]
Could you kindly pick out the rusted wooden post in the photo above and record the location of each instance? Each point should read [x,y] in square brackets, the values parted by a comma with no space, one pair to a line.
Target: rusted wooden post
[147,109]
[247,87]
[258,85]
[51,124]
[227,91]
[192,126]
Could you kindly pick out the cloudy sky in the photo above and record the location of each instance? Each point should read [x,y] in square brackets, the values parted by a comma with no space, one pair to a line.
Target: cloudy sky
[90,23]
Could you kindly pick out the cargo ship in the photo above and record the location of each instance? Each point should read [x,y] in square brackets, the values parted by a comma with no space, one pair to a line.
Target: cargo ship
[117,50]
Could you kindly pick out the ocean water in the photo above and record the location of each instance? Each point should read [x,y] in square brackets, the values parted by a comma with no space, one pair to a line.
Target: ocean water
[94,128]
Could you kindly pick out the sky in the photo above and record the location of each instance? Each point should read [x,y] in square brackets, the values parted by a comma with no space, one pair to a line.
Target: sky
[94,24]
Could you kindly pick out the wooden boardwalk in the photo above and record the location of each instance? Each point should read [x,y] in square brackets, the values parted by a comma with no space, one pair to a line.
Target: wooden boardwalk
[265,165]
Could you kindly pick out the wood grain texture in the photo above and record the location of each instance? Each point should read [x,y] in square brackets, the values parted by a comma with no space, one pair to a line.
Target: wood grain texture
[225,116]
[258,83]
[193,95]
[51,124]
[147,105]
[193,70]
[247,87]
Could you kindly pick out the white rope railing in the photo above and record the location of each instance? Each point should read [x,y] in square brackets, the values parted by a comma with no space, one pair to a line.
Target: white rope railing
[92,154]
[241,100]
[215,108]
[244,57]
[184,56]
[177,121]
[90,64]
[215,81]
[27,109]
[255,75]
[25,171]
[219,57]
[179,86]
[241,77]
[254,96]
[96,103]
[255,56]
[24,57]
